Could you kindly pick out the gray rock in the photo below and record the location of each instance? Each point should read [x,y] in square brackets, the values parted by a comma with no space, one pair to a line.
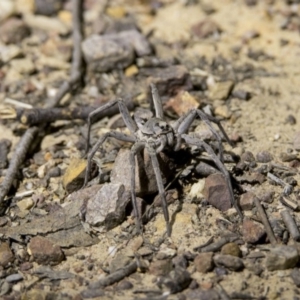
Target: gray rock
[47,7]
[230,262]
[45,252]
[119,262]
[216,192]
[92,293]
[204,262]
[282,258]
[111,51]
[14,278]
[145,181]
[107,207]
[252,231]
[264,157]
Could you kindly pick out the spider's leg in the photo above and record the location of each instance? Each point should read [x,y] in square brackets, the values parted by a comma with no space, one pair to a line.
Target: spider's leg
[183,124]
[131,125]
[114,134]
[159,181]
[218,123]
[199,143]
[159,113]
[134,149]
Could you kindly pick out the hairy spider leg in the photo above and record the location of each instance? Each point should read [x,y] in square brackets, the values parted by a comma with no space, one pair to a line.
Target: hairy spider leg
[161,189]
[159,113]
[139,146]
[182,125]
[129,122]
[201,144]
[114,134]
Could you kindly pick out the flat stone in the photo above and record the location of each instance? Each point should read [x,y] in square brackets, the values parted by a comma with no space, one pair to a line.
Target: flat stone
[204,262]
[124,285]
[205,28]
[223,111]
[6,255]
[252,231]
[114,51]
[145,181]
[44,252]
[247,201]
[281,258]
[295,274]
[107,207]
[23,65]
[216,192]
[230,262]
[231,249]
[13,31]
[221,90]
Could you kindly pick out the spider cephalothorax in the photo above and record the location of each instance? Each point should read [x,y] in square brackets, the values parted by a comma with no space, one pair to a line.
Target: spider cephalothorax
[155,134]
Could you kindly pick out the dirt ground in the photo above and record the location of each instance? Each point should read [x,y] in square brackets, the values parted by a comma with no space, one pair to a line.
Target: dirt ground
[253,44]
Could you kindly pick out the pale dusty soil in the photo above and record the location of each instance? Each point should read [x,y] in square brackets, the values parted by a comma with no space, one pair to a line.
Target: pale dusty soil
[261,122]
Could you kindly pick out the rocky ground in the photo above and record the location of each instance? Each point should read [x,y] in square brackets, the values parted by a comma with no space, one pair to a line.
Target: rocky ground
[237,61]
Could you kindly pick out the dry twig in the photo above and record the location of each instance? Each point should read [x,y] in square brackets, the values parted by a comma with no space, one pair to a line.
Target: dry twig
[290,224]
[265,221]
[26,140]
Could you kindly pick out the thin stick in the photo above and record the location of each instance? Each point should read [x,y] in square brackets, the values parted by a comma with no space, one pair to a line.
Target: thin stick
[26,140]
[76,67]
[265,221]
[290,224]
[114,277]
[17,160]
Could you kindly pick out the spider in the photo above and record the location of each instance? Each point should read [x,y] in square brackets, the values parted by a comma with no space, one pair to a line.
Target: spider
[155,134]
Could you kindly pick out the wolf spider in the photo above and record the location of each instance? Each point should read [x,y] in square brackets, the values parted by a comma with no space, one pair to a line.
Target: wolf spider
[155,134]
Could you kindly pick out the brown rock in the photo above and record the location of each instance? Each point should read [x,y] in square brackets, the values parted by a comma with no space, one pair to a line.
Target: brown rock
[252,231]
[160,267]
[231,249]
[45,252]
[182,103]
[204,262]
[13,31]
[246,201]
[216,192]
[6,255]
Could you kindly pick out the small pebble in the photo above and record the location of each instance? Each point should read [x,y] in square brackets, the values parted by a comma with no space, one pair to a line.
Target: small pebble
[230,262]
[246,201]
[204,262]
[241,94]
[264,157]
[221,90]
[231,249]
[14,278]
[124,285]
[252,231]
